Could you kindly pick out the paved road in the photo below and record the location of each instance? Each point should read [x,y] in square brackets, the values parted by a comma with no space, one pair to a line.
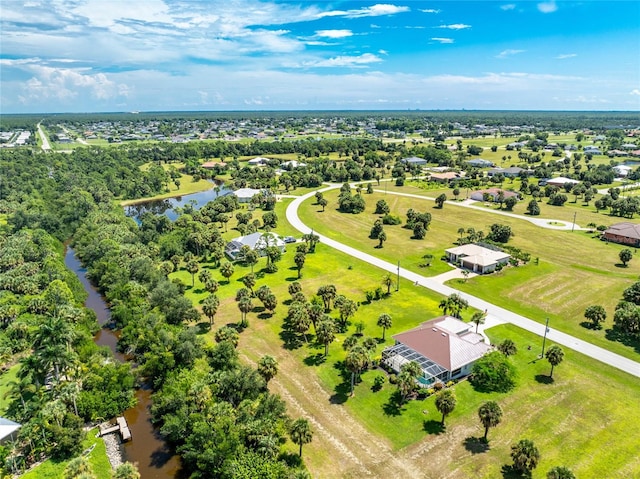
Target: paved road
[495,314]
[43,137]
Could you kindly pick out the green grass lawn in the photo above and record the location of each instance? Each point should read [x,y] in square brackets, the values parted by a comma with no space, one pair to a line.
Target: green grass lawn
[98,459]
[575,270]
[6,377]
[187,186]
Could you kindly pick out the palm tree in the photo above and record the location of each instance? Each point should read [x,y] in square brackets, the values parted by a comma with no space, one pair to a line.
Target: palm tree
[385,322]
[327,293]
[249,281]
[267,367]
[490,415]
[270,302]
[226,270]
[596,314]
[193,267]
[325,333]
[525,456]
[554,355]
[245,306]
[508,347]
[478,318]
[301,433]
[560,472]
[387,280]
[227,333]
[299,260]
[126,470]
[356,360]
[382,237]
[210,307]
[453,305]
[445,402]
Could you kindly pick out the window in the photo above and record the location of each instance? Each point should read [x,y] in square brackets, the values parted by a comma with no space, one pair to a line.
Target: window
[456,372]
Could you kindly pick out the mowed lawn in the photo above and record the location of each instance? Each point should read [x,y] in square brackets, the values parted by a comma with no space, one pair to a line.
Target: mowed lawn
[575,269]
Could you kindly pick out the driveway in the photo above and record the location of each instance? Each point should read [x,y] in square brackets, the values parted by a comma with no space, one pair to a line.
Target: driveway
[494,313]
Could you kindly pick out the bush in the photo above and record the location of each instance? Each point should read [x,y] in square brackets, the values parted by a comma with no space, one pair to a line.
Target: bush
[431,391]
[450,383]
[378,382]
[438,386]
[389,219]
[393,379]
[423,393]
[370,295]
[493,372]
[601,227]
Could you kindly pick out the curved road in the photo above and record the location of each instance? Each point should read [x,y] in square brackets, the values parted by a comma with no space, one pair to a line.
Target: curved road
[495,314]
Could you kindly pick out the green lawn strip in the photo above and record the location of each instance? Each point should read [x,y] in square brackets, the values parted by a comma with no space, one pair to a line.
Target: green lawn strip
[8,376]
[578,420]
[98,459]
[580,271]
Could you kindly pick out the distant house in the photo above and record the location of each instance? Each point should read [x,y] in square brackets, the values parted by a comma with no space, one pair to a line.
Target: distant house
[414,160]
[444,347]
[560,181]
[594,150]
[208,165]
[512,172]
[479,163]
[256,241]
[493,193]
[623,233]
[258,161]
[477,258]
[445,177]
[292,164]
[622,170]
[7,429]
[246,194]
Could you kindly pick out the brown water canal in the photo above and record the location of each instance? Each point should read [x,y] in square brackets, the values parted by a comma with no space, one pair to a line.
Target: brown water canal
[153,456]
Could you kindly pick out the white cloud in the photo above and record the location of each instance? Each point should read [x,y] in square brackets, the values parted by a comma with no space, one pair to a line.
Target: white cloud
[442,40]
[430,10]
[383,52]
[334,33]
[566,55]
[508,6]
[635,91]
[508,53]
[547,7]
[455,26]
[377,10]
[346,61]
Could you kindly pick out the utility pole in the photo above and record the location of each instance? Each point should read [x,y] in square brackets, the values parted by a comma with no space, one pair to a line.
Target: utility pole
[574,221]
[544,338]
[398,280]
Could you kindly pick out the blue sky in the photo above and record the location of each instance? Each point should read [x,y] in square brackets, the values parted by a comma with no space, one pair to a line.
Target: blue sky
[124,55]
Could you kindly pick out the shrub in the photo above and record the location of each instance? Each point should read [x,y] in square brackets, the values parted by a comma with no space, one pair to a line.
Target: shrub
[431,391]
[493,372]
[378,382]
[450,383]
[370,295]
[393,379]
[390,219]
[438,386]
[379,292]
[601,227]
[423,393]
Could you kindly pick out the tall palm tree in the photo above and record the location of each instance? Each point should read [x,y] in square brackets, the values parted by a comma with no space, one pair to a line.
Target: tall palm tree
[267,367]
[554,355]
[490,414]
[193,267]
[478,318]
[301,433]
[325,332]
[445,403]
[385,322]
[210,307]
[356,360]
[525,456]
[245,306]
[387,280]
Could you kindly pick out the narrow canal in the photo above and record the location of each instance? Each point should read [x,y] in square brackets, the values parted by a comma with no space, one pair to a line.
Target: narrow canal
[147,449]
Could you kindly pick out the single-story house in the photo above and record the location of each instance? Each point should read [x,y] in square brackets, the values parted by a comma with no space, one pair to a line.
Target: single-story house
[622,170]
[493,193]
[245,194]
[479,163]
[624,233]
[414,160]
[444,347]
[511,172]
[7,429]
[258,161]
[612,153]
[592,150]
[292,164]
[213,164]
[445,177]
[560,181]
[629,146]
[256,241]
[477,258]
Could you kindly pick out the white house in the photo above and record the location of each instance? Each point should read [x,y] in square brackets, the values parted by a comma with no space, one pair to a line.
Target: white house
[258,161]
[477,258]
[244,195]
[560,181]
[7,429]
[256,241]
[444,347]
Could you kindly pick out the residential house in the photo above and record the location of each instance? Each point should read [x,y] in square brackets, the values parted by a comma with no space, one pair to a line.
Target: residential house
[560,181]
[414,160]
[477,258]
[256,241]
[246,194]
[622,171]
[493,194]
[444,347]
[258,161]
[511,172]
[593,150]
[623,233]
[479,163]
[445,177]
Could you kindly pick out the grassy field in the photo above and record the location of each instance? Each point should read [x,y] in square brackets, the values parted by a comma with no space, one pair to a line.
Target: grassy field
[97,458]
[5,378]
[187,186]
[555,288]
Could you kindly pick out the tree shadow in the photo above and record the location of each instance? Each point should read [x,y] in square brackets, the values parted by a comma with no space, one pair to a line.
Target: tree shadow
[315,359]
[508,472]
[265,315]
[292,278]
[394,406]
[544,379]
[290,340]
[613,334]
[291,459]
[202,327]
[431,426]
[341,393]
[476,445]
[620,265]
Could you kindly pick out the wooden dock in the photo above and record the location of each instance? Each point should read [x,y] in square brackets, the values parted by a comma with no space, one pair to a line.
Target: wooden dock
[121,427]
